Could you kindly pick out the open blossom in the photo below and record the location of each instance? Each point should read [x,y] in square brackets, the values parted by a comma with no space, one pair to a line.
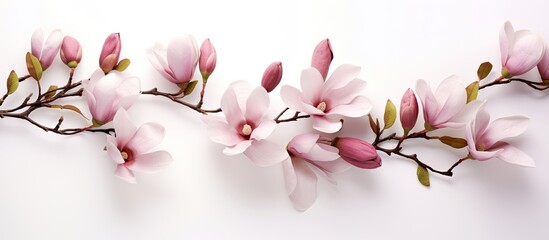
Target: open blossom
[132,147]
[110,52]
[322,57]
[520,50]
[106,94]
[307,154]
[326,101]
[485,139]
[245,126]
[46,51]
[71,51]
[178,61]
[447,106]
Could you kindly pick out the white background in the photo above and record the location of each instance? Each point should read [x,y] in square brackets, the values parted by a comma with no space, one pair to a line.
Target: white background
[59,187]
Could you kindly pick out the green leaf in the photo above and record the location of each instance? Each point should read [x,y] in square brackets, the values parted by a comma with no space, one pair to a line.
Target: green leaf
[122,65]
[453,142]
[51,92]
[390,114]
[483,70]
[69,107]
[423,176]
[13,82]
[33,66]
[190,87]
[472,91]
[373,125]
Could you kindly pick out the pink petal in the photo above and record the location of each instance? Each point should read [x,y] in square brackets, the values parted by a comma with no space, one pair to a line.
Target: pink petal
[232,109]
[321,154]
[428,100]
[503,128]
[514,155]
[301,183]
[147,136]
[303,143]
[182,57]
[481,121]
[264,153]
[311,84]
[51,47]
[526,53]
[265,128]
[125,129]
[112,150]
[157,57]
[37,42]
[242,90]
[451,97]
[238,148]
[466,114]
[292,98]
[257,105]
[506,38]
[127,92]
[220,132]
[335,166]
[471,145]
[323,124]
[346,94]
[124,173]
[340,77]
[359,107]
[151,162]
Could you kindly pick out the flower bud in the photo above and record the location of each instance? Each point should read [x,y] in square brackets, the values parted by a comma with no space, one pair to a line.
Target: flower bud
[408,110]
[272,76]
[71,52]
[521,50]
[543,65]
[110,52]
[322,57]
[357,152]
[208,59]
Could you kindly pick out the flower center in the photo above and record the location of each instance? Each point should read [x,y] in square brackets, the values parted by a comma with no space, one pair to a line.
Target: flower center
[321,106]
[246,130]
[125,156]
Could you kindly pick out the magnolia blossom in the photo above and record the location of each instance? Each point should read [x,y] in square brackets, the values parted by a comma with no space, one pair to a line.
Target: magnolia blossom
[178,61]
[447,106]
[520,50]
[245,126]
[485,139]
[305,154]
[326,101]
[322,57]
[71,51]
[131,148]
[46,51]
[543,65]
[272,76]
[110,53]
[106,94]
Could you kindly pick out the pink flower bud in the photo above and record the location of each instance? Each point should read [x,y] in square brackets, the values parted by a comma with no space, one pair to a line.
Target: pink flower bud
[71,52]
[357,152]
[110,52]
[208,58]
[408,110]
[46,51]
[520,50]
[322,57]
[272,76]
[543,66]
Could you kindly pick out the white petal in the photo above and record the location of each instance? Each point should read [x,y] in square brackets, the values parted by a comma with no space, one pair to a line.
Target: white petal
[220,131]
[257,105]
[51,47]
[112,150]
[303,143]
[526,53]
[428,101]
[265,128]
[321,154]
[311,84]
[37,42]
[264,153]
[125,129]
[242,90]
[345,94]
[124,173]
[303,192]
[151,162]
[323,124]
[503,128]
[467,114]
[157,57]
[359,107]
[481,121]
[451,97]
[335,166]
[231,108]
[238,148]
[340,77]
[182,57]
[514,155]
[292,98]
[506,38]
[148,136]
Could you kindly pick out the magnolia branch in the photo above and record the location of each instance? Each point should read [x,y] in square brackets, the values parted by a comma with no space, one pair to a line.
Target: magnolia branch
[176,97]
[540,86]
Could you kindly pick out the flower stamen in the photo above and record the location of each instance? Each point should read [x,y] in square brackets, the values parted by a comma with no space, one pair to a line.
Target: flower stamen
[246,130]
[321,106]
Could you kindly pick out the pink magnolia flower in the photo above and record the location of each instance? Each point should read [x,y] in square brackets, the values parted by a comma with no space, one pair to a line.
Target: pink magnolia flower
[131,148]
[307,154]
[543,65]
[245,126]
[357,152]
[326,101]
[485,139]
[408,110]
[208,58]
[110,52]
[520,50]
[71,52]
[322,57]
[176,63]
[272,76]
[46,51]
[106,94]
[447,107]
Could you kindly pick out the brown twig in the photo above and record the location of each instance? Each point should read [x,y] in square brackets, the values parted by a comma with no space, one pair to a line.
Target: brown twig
[176,99]
[295,117]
